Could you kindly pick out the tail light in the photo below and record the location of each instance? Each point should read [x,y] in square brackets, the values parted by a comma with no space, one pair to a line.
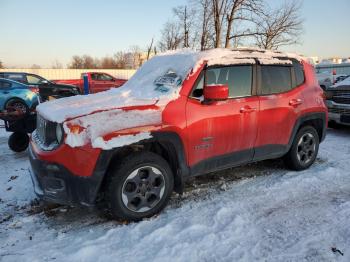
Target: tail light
[34,90]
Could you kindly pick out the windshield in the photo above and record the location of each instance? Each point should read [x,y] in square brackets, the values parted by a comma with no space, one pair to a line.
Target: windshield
[161,76]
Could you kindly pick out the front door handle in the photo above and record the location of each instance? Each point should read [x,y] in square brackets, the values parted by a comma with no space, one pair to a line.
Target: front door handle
[247,109]
[295,102]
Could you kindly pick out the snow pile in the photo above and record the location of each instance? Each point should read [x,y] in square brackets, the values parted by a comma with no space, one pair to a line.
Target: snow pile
[284,216]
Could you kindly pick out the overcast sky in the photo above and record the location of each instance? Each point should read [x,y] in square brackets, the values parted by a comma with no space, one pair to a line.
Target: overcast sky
[42,31]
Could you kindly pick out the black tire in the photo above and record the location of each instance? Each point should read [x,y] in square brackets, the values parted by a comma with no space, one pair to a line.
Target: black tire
[18,142]
[303,152]
[136,182]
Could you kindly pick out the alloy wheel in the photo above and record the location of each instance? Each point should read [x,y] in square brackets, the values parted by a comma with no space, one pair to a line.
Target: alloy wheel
[306,148]
[143,189]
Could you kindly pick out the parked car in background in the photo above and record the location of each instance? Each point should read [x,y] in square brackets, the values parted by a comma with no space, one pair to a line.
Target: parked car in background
[47,88]
[338,103]
[98,82]
[183,114]
[17,95]
[327,79]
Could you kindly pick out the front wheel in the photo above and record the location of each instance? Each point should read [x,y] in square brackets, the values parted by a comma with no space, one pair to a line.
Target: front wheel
[140,186]
[304,149]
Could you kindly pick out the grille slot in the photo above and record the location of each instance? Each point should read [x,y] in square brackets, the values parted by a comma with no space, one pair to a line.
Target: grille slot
[45,132]
[341,111]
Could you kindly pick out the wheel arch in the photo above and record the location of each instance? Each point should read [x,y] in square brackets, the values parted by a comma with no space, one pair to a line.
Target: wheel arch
[166,144]
[316,120]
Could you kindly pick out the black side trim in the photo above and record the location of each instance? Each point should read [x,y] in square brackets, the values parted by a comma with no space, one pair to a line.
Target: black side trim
[269,152]
[222,162]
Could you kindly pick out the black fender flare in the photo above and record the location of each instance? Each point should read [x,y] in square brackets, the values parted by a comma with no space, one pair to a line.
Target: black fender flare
[305,118]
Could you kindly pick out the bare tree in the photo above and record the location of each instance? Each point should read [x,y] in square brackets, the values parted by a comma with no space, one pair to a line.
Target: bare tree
[238,11]
[76,63]
[35,66]
[280,27]
[171,37]
[205,9]
[89,62]
[121,60]
[56,65]
[218,12]
[1,65]
[149,49]
[108,63]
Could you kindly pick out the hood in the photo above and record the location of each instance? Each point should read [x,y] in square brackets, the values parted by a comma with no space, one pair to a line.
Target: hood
[158,81]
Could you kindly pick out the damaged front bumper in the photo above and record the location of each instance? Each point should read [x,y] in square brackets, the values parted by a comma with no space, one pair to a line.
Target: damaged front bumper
[54,183]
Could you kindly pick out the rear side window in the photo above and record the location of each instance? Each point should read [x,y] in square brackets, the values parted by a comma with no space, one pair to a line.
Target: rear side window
[16,77]
[4,85]
[275,79]
[299,73]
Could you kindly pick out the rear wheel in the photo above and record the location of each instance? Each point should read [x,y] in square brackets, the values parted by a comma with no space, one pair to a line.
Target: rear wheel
[304,149]
[140,186]
[18,141]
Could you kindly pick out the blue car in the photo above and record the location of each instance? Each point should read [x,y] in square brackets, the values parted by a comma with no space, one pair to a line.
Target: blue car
[17,95]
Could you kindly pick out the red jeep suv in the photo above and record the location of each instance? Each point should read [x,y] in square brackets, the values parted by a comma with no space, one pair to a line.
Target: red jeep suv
[182,114]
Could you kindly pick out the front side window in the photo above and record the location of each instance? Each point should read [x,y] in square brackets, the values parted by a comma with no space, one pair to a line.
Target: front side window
[275,79]
[105,77]
[238,79]
[34,80]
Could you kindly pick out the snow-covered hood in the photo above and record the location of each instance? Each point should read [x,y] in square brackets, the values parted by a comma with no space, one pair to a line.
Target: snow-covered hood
[158,81]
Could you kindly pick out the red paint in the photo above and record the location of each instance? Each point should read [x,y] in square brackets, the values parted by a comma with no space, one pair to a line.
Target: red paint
[216,92]
[95,86]
[80,161]
[219,127]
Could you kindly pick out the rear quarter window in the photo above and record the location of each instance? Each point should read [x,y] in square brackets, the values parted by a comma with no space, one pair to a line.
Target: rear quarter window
[299,73]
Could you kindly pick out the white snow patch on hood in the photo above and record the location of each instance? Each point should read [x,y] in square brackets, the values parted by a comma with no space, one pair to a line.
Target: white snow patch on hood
[96,126]
[120,140]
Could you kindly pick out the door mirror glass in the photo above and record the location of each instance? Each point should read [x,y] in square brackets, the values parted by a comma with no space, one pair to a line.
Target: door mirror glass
[216,92]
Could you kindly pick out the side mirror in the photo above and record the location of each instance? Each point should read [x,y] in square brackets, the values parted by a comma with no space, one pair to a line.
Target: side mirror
[216,92]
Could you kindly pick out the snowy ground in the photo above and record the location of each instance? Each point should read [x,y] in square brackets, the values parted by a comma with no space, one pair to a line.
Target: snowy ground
[257,212]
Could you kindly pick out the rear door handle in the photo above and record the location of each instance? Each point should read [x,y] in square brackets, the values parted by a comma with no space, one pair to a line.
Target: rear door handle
[295,102]
[247,109]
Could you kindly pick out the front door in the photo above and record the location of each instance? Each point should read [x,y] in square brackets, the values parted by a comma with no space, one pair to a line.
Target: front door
[222,133]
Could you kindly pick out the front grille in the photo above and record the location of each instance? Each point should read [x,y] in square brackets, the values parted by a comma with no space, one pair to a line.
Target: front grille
[341,111]
[45,133]
[342,99]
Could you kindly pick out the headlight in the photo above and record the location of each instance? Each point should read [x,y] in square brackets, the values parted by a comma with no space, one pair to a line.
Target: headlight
[59,133]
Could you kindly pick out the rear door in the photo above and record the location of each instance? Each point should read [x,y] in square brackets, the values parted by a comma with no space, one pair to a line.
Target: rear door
[222,134]
[281,104]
